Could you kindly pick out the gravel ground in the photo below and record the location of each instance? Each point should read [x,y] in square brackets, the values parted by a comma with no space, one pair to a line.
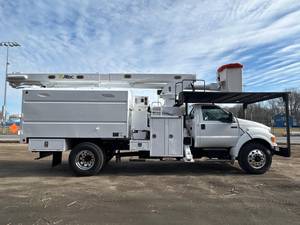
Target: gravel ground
[31,192]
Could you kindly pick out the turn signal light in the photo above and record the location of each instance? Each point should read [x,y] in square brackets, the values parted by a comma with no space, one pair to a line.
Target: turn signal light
[273,139]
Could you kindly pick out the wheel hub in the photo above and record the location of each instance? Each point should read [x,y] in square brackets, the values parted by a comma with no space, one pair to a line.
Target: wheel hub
[257,158]
[85,160]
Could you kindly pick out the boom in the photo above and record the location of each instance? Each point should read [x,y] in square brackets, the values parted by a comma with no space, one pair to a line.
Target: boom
[124,80]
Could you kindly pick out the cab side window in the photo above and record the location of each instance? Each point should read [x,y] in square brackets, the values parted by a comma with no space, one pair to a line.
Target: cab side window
[213,113]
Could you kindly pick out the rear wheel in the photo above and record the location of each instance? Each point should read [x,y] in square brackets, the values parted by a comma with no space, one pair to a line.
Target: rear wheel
[86,159]
[255,158]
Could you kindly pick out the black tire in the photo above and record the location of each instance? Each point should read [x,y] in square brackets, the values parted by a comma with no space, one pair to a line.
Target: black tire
[255,158]
[86,159]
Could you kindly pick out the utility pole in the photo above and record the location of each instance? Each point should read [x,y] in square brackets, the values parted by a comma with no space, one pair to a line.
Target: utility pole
[7,45]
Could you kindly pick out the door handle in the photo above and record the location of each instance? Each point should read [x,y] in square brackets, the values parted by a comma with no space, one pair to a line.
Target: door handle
[202,126]
[234,126]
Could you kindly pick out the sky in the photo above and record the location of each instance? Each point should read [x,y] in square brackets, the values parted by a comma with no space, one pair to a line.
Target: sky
[154,36]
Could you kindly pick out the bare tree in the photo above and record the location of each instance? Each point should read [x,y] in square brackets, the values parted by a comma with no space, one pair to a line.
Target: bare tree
[264,112]
[294,103]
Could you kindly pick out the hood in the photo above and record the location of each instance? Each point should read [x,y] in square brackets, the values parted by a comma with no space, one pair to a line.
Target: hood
[245,124]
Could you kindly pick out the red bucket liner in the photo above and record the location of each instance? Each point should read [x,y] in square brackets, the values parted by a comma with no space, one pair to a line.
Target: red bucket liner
[230,66]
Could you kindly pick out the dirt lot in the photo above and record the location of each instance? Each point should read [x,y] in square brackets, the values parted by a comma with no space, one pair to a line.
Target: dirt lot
[31,192]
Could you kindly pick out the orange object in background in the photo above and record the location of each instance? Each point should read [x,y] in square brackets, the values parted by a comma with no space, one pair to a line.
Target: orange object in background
[14,129]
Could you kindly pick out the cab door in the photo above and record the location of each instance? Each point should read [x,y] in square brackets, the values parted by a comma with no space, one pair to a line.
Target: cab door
[217,128]
[190,122]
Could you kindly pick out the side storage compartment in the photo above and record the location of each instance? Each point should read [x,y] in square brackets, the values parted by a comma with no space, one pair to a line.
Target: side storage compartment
[139,145]
[166,139]
[47,145]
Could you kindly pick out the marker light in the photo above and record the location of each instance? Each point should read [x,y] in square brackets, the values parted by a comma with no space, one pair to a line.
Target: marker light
[273,139]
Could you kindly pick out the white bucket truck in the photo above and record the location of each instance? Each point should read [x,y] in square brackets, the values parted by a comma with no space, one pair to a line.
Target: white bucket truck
[96,117]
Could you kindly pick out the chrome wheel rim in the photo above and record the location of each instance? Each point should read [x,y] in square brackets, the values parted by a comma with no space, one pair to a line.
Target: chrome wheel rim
[85,160]
[257,159]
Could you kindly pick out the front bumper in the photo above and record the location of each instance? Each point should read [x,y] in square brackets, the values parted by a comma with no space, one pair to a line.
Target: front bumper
[282,151]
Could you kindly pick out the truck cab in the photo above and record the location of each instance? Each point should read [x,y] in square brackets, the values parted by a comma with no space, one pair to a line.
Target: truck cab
[211,126]
[214,130]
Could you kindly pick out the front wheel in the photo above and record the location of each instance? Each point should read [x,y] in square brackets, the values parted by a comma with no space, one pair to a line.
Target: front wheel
[86,159]
[255,158]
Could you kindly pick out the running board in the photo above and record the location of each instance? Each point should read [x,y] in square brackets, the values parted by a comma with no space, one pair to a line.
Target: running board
[231,161]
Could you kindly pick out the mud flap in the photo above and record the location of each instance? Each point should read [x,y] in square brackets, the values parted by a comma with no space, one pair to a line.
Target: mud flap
[56,159]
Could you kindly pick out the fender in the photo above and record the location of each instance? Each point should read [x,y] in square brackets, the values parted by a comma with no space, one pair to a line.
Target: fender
[252,133]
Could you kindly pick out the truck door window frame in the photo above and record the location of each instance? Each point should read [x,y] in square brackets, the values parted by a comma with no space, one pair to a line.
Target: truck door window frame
[191,114]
